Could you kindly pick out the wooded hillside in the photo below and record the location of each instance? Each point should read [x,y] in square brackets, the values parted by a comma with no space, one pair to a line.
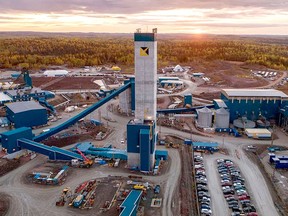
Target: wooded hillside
[40,52]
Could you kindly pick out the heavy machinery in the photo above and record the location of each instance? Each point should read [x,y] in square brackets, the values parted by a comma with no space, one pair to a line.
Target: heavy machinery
[66,194]
[172,145]
[86,163]
[23,80]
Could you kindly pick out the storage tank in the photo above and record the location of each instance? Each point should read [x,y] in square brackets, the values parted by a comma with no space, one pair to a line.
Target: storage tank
[243,123]
[222,118]
[204,117]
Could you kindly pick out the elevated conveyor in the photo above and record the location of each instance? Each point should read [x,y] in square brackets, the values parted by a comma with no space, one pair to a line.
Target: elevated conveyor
[54,153]
[182,110]
[81,115]
[46,104]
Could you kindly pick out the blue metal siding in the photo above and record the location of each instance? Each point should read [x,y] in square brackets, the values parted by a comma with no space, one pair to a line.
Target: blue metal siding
[130,204]
[54,153]
[154,138]
[133,138]
[144,37]
[30,118]
[188,99]
[9,138]
[145,143]
[132,81]
[252,108]
[161,154]
[10,115]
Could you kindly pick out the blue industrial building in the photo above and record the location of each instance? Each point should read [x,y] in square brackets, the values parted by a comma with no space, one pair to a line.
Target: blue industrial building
[187,100]
[26,94]
[199,146]
[88,149]
[9,138]
[130,204]
[141,141]
[253,103]
[24,91]
[26,114]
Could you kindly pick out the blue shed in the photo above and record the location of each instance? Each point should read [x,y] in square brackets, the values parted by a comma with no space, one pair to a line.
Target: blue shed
[130,204]
[213,146]
[26,114]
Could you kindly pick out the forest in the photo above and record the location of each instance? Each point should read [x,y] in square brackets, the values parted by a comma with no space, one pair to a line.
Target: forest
[39,52]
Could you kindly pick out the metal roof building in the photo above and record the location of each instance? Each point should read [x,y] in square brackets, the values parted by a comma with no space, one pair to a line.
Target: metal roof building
[130,205]
[258,133]
[264,93]
[26,114]
[54,73]
[172,82]
[4,98]
[252,103]
[255,93]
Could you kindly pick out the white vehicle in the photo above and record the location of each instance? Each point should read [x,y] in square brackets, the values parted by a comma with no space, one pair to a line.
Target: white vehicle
[220,160]
[206,211]
[45,130]
[205,199]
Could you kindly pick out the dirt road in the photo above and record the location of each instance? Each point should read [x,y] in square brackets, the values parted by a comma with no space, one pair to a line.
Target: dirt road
[172,182]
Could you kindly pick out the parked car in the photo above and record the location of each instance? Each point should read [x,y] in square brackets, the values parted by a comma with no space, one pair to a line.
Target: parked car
[157,189]
[226,184]
[206,211]
[205,199]
[244,197]
[203,193]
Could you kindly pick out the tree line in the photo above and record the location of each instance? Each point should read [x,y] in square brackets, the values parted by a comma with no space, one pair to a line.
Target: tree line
[41,52]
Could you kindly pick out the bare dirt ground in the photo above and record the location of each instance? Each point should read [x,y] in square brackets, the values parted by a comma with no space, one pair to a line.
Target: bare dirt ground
[55,83]
[187,190]
[4,204]
[229,74]
[284,88]
[8,165]
[163,103]
[84,131]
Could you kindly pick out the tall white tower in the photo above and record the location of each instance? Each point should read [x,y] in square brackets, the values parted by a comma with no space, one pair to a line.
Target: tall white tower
[141,136]
[145,75]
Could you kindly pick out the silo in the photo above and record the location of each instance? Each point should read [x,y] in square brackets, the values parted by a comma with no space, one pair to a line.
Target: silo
[222,118]
[204,117]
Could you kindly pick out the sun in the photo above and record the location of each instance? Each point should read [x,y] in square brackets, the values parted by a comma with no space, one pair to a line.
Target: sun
[197,31]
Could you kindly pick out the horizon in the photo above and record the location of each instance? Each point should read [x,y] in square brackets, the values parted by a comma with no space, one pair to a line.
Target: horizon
[226,17]
[159,33]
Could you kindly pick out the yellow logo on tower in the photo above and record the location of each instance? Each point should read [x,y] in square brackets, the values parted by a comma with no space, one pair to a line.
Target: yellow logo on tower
[144,51]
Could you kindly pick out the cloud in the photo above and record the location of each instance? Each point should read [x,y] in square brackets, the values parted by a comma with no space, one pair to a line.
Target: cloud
[131,6]
[126,15]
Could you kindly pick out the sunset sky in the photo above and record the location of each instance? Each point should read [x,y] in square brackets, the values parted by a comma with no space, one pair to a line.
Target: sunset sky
[124,16]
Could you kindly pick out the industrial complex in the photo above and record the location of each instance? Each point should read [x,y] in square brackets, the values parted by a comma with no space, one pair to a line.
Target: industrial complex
[143,144]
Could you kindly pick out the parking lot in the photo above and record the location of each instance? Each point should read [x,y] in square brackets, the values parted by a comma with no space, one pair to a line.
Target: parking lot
[204,199]
[255,186]
[234,189]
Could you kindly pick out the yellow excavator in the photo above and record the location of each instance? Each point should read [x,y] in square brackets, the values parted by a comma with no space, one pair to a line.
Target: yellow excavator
[66,193]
